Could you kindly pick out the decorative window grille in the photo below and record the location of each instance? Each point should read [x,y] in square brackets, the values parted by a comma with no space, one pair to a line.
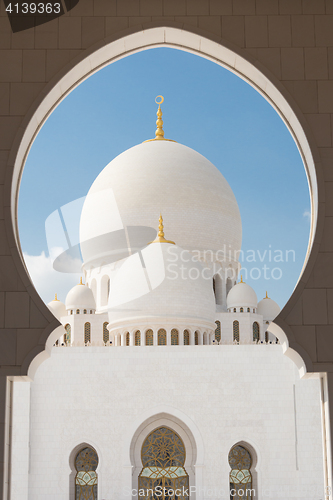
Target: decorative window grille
[67,336]
[106,334]
[87,331]
[266,337]
[77,311]
[163,458]
[240,476]
[174,337]
[241,310]
[186,337]
[127,338]
[149,337]
[161,335]
[235,327]
[86,480]
[196,338]
[138,337]
[256,332]
[218,331]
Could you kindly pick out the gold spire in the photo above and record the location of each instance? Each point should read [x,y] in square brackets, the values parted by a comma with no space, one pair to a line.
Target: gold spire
[159,134]
[80,281]
[160,236]
[266,296]
[241,281]
[55,297]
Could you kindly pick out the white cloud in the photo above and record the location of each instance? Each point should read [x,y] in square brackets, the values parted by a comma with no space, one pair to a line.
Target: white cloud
[307,215]
[46,280]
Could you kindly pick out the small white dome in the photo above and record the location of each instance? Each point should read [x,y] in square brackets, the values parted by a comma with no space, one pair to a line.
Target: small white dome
[268,308]
[80,297]
[162,283]
[242,295]
[57,307]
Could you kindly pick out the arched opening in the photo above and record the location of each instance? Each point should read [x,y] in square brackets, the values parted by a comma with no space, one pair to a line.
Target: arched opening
[106,334]
[241,479]
[235,331]
[256,331]
[218,331]
[163,459]
[149,337]
[186,337]
[86,480]
[87,333]
[174,337]
[191,42]
[161,337]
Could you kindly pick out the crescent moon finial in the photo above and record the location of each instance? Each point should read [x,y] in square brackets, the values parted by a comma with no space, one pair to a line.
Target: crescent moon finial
[161,101]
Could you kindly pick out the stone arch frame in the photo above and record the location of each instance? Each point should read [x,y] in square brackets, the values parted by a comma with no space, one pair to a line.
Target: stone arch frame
[177,421]
[72,471]
[219,51]
[256,463]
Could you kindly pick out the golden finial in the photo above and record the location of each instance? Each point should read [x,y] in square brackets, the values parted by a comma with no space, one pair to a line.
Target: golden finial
[159,134]
[55,297]
[160,236]
[266,296]
[241,281]
[80,281]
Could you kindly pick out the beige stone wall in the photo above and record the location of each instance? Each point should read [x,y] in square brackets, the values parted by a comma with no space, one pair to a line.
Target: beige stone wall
[291,39]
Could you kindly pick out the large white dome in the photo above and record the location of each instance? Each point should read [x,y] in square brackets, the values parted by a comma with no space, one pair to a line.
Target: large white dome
[153,177]
[164,285]
[57,307]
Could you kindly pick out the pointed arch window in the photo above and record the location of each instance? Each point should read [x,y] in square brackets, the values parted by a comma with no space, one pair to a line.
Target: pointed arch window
[163,458]
[106,334]
[240,476]
[218,331]
[256,332]
[138,337]
[186,337]
[67,336]
[174,337]
[86,481]
[149,337]
[161,335]
[235,329]
[266,337]
[87,333]
[127,338]
[196,338]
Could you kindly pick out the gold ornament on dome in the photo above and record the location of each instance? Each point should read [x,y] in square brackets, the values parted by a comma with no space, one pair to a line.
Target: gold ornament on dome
[159,133]
[160,236]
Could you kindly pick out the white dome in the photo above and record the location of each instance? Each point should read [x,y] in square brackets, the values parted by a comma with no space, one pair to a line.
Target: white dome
[80,297]
[242,295]
[268,308]
[58,308]
[159,176]
[161,285]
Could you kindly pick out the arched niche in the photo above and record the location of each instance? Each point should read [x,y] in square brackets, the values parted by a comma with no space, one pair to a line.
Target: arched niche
[219,51]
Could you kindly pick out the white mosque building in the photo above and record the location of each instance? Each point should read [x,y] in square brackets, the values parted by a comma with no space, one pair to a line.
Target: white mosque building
[165,382]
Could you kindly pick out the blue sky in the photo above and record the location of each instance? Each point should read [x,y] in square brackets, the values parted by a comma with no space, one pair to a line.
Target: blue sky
[206,108]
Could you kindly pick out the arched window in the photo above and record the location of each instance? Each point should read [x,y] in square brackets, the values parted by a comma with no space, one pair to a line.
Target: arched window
[127,338]
[248,310]
[234,309]
[161,335]
[174,337]
[71,311]
[266,337]
[163,458]
[106,335]
[149,337]
[67,336]
[186,337]
[241,310]
[235,329]
[196,338]
[256,332]
[84,311]
[138,337]
[87,336]
[77,311]
[86,480]
[218,331]
[240,462]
